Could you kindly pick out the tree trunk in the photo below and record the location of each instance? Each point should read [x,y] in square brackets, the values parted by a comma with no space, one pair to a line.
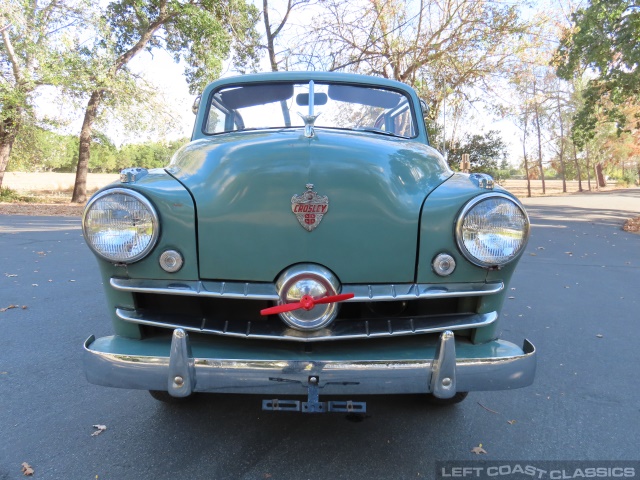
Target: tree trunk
[84,151]
[536,112]
[601,180]
[588,171]
[270,37]
[526,162]
[8,133]
[525,123]
[540,166]
[564,178]
[575,159]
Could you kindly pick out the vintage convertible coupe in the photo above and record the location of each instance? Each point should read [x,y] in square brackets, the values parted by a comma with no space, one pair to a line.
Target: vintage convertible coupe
[307,242]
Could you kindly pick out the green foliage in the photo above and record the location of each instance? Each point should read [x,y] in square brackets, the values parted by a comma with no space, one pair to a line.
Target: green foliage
[8,196]
[486,152]
[40,150]
[623,178]
[34,37]
[147,155]
[606,39]
[202,33]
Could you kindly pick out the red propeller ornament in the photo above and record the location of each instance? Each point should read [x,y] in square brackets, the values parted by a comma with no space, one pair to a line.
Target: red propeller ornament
[307,302]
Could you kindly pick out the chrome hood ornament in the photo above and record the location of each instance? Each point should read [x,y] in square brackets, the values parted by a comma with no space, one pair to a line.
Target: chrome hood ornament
[309,208]
[310,118]
[309,121]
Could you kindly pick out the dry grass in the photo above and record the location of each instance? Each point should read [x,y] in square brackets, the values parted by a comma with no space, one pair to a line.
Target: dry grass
[552,187]
[45,193]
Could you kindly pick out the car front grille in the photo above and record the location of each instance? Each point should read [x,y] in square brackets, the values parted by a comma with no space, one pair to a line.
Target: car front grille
[233,309]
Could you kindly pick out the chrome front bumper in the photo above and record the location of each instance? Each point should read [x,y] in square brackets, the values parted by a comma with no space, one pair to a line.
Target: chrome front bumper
[182,366]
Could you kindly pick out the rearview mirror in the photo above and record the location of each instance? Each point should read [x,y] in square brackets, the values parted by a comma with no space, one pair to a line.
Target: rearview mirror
[425,108]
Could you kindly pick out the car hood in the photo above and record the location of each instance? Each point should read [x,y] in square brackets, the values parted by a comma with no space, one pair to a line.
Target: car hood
[243,185]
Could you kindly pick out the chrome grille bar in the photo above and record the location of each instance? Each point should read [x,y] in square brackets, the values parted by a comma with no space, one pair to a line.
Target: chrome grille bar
[341,329]
[267,291]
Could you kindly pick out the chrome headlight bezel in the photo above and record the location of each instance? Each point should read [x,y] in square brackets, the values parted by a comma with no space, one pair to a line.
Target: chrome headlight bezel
[146,204]
[460,230]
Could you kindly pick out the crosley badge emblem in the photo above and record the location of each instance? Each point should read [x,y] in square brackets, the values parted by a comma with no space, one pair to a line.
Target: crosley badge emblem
[309,208]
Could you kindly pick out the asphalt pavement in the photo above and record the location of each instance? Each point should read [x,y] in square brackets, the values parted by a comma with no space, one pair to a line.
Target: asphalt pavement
[574,295]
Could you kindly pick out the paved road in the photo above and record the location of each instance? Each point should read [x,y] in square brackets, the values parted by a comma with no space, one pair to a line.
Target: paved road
[575,296]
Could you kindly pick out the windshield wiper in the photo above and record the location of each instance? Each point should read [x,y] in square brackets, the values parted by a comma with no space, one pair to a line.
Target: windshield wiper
[377,130]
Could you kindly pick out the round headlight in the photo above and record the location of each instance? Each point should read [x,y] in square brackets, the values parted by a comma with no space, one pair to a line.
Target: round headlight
[492,230]
[120,225]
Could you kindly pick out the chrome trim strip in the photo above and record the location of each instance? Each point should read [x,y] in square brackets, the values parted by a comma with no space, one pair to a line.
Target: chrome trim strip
[341,329]
[267,291]
[509,367]
[415,291]
[242,290]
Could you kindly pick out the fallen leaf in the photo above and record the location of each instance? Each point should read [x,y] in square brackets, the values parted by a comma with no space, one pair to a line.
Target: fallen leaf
[511,422]
[101,428]
[478,450]
[533,254]
[41,253]
[24,307]
[27,470]
[8,308]
[487,409]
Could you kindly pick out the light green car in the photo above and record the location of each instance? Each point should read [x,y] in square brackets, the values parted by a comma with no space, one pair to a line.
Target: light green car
[307,243]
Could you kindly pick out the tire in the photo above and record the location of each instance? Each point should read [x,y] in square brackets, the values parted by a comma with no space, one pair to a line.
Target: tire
[444,402]
[164,397]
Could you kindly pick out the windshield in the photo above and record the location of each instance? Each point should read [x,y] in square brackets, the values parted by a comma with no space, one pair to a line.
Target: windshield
[282,105]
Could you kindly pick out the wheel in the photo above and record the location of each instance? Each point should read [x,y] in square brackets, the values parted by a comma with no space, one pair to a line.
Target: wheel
[164,397]
[443,402]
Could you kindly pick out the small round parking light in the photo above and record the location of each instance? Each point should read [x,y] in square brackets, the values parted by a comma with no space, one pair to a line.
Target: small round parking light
[444,264]
[171,261]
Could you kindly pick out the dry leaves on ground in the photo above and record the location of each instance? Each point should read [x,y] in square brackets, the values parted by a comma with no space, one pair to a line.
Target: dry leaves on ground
[632,225]
[27,469]
[44,209]
[478,450]
[24,307]
[101,428]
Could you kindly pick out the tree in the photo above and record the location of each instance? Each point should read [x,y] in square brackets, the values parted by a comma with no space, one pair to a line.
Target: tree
[605,40]
[486,152]
[32,42]
[272,32]
[427,43]
[201,33]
